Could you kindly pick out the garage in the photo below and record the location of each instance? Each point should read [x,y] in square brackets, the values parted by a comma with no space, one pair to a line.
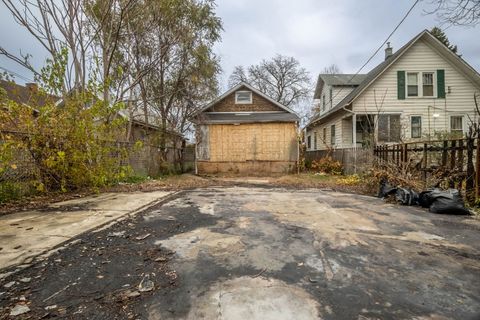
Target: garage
[244,131]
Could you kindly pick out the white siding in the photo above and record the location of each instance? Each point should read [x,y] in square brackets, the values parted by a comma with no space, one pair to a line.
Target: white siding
[420,58]
[343,133]
[338,93]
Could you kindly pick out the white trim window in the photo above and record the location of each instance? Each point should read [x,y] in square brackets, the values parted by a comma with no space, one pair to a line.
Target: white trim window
[309,142]
[243,97]
[421,84]
[416,126]
[412,84]
[428,84]
[456,125]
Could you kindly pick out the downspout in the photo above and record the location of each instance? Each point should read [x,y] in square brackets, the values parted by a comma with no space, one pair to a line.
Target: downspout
[354,137]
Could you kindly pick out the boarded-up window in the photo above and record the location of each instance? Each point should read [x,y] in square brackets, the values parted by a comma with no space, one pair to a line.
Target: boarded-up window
[389,128]
[416,126]
[332,135]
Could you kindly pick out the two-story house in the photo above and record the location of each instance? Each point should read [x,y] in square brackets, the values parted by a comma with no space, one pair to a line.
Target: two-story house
[421,90]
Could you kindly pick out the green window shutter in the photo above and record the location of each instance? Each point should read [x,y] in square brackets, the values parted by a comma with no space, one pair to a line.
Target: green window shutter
[401,85]
[441,84]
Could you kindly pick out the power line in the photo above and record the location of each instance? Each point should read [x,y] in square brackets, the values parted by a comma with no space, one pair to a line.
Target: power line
[380,47]
[17,74]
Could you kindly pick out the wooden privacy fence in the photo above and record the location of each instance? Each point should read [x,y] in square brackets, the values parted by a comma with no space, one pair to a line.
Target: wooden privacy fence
[353,160]
[455,160]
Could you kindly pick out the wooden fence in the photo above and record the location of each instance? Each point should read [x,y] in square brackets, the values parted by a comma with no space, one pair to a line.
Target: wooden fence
[456,159]
[353,160]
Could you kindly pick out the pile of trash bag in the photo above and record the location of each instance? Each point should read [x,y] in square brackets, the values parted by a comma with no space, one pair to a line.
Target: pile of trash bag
[438,201]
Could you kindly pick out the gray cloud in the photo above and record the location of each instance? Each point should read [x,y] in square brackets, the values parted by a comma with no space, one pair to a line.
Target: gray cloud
[319,33]
[316,32]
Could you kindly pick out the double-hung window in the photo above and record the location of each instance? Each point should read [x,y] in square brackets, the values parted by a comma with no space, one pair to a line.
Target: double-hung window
[416,126]
[420,84]
[427,82]
[309,142]
[412,84]
[323,101]
[456,125]
[315,140]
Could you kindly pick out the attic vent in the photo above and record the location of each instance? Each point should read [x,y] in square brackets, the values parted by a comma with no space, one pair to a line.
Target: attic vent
[243,97]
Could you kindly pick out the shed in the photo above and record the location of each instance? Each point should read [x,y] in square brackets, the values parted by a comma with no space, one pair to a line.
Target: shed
[245,131]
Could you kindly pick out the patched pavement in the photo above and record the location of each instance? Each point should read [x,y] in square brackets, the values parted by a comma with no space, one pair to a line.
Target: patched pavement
[261,253]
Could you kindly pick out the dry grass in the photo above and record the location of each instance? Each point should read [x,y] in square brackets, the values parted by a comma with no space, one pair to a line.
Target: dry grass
[311,180]
[190,181]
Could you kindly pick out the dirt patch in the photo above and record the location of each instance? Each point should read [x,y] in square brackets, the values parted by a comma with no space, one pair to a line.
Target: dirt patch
[169,183]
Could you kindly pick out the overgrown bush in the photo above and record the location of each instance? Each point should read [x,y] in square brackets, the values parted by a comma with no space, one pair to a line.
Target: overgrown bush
[327,165]
[71,143]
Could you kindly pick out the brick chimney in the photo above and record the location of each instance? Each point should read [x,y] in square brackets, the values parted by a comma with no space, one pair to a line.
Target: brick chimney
[388,51]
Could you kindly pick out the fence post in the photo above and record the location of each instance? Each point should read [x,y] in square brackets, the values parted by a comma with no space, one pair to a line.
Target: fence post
[470,181]
[444,154]
[452,160]
[460,155]
[424,169]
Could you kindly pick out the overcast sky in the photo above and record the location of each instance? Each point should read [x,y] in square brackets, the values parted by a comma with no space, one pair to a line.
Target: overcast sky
[316,32]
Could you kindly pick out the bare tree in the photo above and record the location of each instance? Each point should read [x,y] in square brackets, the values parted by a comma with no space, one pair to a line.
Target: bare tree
[332,69]
[55,25]
[457,12]
[238,75]
[281,78]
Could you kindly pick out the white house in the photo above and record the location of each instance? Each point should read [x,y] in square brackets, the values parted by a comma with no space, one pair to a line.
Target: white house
[421,90]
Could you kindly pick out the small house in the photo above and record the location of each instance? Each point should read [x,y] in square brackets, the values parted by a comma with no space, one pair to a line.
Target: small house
[245,131]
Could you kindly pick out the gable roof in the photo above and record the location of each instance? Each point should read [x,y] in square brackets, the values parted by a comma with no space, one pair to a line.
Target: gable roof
[425,35]
[256,91]
[337,80]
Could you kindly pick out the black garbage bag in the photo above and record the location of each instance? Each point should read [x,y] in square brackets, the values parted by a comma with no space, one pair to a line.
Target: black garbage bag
[386,189]
[447,202]
[406,197]
[425,198]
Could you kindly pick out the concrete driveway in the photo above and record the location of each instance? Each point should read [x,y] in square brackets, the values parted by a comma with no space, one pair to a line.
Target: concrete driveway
[263,253]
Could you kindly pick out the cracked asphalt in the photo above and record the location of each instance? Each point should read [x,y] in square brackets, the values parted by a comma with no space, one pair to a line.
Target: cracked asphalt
[261,253]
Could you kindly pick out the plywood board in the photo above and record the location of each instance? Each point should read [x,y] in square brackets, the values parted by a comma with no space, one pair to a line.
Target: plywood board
[253,142]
